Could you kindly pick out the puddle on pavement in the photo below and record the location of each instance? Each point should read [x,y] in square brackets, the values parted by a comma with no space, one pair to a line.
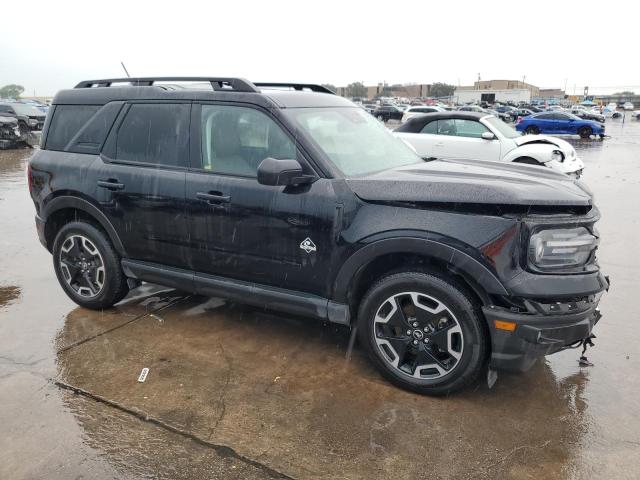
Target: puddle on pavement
[279,389]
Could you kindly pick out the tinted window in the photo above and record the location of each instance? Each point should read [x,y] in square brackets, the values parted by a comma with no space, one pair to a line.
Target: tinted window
[66,122]
[469,128]
[560,116]
[5,108]
[152,133]
[545,116]
[236,139]
[423,110]
[431,127]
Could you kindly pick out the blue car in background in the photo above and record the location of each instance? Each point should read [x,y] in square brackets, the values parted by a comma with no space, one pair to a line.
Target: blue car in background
[559,123]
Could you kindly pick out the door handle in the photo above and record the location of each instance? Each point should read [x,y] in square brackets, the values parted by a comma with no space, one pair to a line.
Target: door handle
[439,145]
[110,184]
[213,197]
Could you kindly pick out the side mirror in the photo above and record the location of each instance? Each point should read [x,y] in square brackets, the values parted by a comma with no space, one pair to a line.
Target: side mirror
[282,172]
[488,136]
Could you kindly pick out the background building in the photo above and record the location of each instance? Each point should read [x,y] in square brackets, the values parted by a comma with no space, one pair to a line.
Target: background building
[512,95]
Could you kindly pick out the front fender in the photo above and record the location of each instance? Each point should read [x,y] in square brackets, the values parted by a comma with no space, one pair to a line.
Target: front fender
[540,152]
[464,263]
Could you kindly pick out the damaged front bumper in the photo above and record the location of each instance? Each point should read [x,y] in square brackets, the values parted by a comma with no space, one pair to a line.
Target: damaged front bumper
[519,339]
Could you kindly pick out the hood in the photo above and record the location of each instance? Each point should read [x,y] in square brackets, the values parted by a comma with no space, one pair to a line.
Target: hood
[472,182]
[8,120]
[558,142]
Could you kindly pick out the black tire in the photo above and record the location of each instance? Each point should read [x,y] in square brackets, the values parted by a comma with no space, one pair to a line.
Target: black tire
[532,130]
[585,132]
[24,130]
[527,161]
[381,118]
[114,283]
[471,336]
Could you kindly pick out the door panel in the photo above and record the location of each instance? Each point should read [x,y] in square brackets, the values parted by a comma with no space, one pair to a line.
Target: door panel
[257,235]
[147,211]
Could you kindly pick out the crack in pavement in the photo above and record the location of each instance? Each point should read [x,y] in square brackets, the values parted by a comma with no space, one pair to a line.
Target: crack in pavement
[223,392]
[222,450]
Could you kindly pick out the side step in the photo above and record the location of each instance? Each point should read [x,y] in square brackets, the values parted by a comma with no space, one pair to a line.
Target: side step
[268,297]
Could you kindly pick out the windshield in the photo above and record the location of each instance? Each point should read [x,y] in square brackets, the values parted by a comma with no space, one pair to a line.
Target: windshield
[354,141]
[505,130]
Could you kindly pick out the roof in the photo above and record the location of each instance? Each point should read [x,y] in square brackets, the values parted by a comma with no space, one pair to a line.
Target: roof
[281,95]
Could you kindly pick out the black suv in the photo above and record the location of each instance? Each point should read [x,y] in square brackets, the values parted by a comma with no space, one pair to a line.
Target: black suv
[291,198]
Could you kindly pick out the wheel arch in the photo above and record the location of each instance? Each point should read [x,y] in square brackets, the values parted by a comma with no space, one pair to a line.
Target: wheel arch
[385,256]
[64,209]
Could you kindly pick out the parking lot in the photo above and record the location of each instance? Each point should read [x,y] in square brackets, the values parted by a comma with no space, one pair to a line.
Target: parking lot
[237,392]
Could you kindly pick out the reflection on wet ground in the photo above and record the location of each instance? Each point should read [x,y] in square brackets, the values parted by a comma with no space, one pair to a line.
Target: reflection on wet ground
[236,392]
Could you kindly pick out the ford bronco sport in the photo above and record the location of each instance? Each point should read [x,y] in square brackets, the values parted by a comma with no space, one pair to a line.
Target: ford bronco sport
[291,198]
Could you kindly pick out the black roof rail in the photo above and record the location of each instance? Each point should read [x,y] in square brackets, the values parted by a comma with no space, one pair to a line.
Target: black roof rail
[297,86]
[217,83]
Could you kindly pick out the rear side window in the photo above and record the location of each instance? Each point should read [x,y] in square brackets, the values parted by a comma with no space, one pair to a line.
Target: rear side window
[66,123]
[154,133]
[431,127]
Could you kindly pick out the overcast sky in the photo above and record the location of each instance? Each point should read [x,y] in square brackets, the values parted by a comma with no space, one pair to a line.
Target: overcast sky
[49,45]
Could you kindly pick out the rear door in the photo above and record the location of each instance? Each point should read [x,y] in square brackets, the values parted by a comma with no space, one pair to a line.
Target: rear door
[140,181]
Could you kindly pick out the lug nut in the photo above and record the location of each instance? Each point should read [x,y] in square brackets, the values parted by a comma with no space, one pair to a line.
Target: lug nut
[426,340]
[415,342]
[415,324]
[408,332]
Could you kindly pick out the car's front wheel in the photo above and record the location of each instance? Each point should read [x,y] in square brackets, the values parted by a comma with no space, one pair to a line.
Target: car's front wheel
[585,132]
[532,130]
[423,332]
[88,267]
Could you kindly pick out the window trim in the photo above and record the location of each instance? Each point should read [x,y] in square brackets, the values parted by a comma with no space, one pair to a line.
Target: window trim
[195,157]
[108,151]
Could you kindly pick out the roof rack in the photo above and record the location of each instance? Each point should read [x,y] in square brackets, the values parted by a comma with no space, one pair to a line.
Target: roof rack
[217,83]
[297,86]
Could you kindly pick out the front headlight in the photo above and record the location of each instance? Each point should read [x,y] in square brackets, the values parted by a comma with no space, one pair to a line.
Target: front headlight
[33,121]
[561,248]
[557,156]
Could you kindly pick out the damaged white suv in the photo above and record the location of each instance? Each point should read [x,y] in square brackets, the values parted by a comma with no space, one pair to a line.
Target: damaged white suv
[479,136]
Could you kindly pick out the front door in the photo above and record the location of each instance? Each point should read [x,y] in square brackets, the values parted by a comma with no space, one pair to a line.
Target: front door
[240,229]
[140,181]
[462,138]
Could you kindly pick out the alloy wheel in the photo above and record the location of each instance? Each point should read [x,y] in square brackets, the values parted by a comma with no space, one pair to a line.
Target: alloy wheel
[418,335]
[82,265]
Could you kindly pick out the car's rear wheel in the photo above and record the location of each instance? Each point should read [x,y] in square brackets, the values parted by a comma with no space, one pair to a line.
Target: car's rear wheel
[88,267]
[381,118]
[532,130]
[423,332]
[585,132]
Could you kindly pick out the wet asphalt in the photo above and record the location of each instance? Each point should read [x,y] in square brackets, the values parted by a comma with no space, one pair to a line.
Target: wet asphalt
[236,392]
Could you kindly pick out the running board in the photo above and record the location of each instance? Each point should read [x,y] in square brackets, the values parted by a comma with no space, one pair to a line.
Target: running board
[268,297]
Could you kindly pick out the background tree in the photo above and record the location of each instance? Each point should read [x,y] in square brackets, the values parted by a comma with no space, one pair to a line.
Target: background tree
[440,89]
[330,87]
[356,89]
[11,91]
[625,93]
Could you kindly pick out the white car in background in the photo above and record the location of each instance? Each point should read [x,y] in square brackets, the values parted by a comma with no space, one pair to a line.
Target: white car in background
[420,110]
[628,106]
[478,136]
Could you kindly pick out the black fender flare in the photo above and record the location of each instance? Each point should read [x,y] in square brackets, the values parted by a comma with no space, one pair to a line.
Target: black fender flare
[464,263]
[77,203]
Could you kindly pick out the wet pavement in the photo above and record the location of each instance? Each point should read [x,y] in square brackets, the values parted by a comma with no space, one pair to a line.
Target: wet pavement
[236,392]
